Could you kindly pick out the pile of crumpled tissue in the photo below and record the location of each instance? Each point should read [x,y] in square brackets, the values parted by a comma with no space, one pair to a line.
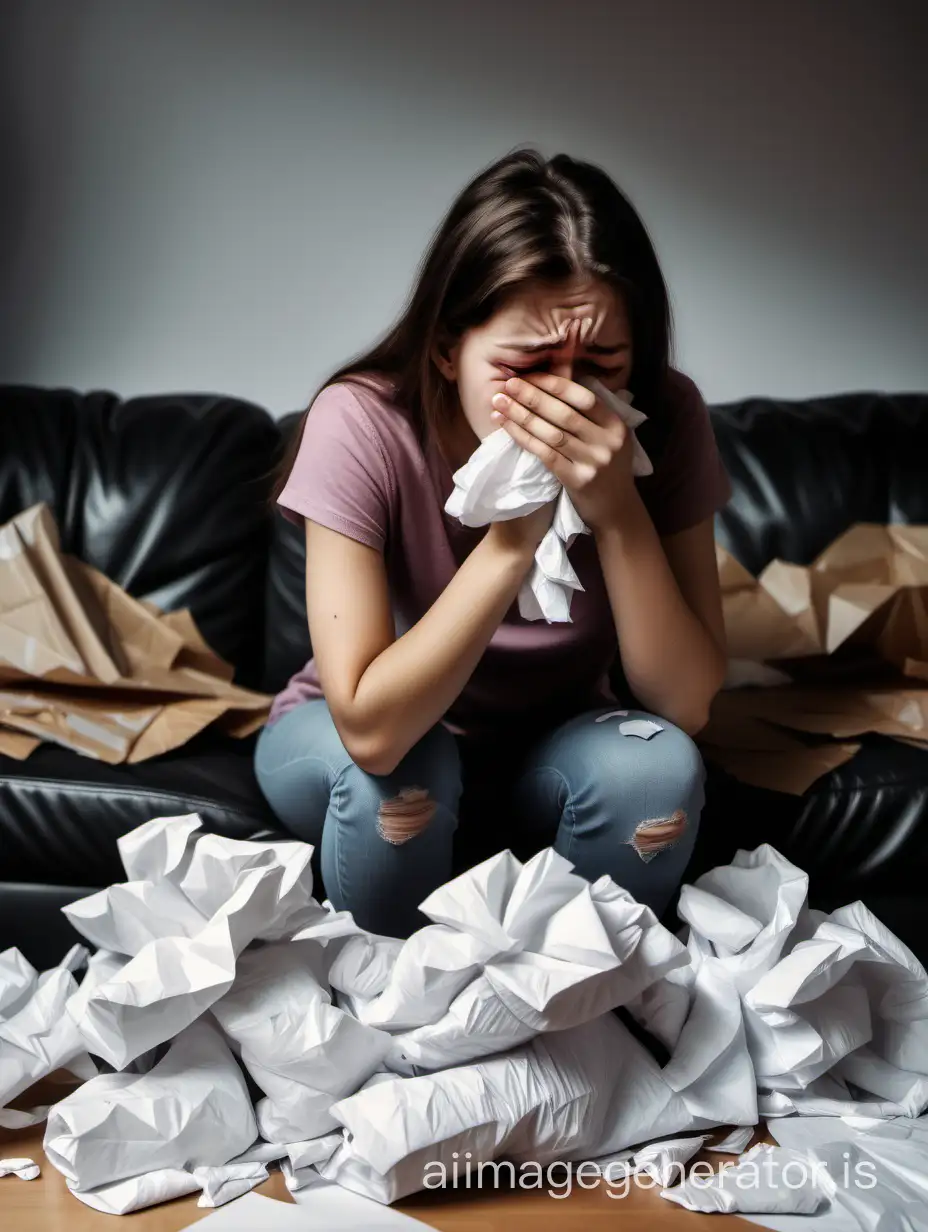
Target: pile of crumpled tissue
[501,480]
[228,1020]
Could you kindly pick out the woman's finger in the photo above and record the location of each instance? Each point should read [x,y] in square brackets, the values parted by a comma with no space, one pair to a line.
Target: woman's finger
[525,399]
[554,459]
[595,453]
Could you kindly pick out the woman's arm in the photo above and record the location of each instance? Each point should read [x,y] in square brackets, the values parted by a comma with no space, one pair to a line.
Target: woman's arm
[384,692]
[667,607]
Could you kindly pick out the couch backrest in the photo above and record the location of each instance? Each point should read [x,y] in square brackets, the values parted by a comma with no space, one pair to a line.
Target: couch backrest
[166,495]
[804,471]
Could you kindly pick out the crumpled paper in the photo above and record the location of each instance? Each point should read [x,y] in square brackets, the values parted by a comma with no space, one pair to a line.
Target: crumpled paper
[190,1110]
[488,1031]
[501,480]
[194,902]
[25,1169]
[515,949]
[304,1052]
[36,1034]
[755,1185]
[812,636]
[571,1095]
[833,1009]
[64,623]
[734,1143]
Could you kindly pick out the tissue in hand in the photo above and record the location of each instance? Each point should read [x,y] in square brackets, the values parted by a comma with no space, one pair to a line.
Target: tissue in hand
[501,480]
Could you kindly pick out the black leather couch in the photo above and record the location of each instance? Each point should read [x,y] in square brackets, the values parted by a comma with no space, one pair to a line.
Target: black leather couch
[168,496]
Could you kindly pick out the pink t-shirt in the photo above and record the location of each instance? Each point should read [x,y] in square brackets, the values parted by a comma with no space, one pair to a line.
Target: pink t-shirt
[361,471]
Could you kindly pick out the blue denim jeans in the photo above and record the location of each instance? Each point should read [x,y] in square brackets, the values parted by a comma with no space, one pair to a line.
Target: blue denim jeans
[608,802]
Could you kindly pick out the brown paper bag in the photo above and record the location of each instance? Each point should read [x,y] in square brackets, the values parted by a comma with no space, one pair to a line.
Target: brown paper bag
[87,666]
[851,629]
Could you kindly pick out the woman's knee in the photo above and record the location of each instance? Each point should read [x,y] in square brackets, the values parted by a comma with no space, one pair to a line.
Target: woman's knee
[649,782]
[421,792]
[669,807]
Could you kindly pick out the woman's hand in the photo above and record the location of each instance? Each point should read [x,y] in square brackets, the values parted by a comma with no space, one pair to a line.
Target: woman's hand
[584,444]
[523,535]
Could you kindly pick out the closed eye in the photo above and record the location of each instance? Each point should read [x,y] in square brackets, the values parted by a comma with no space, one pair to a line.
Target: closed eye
[589,367]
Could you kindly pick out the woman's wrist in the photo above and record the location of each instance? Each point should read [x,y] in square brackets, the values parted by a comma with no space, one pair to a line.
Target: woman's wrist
[623,522]
[511,546]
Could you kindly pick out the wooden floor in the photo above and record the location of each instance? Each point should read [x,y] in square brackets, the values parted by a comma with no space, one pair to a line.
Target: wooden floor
[46,1205]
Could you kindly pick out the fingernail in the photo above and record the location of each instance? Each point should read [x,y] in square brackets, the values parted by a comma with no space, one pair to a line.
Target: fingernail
[500,400]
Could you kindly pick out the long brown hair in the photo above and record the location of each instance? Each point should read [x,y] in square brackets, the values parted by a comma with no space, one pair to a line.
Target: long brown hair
[523,220]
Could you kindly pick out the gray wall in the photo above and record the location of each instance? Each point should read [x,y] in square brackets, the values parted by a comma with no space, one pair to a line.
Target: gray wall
[234,196]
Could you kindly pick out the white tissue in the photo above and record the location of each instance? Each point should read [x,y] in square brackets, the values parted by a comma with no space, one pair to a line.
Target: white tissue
[734,1143]
[572,1095]
[501,480]
[301,1050]
[39,1036]
[18,979]
[532,947]
[664,1162]
[137,1192]
[223,1184]
[25,1169]
[192,1109]
[644,729]
[829,1012]
[499,1007]
[756,1185]
[202,901]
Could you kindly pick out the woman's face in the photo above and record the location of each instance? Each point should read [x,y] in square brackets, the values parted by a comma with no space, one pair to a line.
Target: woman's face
[526,336]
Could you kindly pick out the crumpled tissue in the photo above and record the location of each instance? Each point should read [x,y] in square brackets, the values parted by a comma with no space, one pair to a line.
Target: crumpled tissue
[734,1143]
[487,1031]
[25,1169]
[833,1009]
[217,1183]
[36,1035]
[570,1095]
[190,1110]
[755,1184]
[515,949]
[501,480]
[190,908]
[303,1052]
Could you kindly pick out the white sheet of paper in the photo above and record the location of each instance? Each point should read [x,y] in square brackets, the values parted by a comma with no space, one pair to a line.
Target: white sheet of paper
[254,1213]
[335,1209]
[327,1208]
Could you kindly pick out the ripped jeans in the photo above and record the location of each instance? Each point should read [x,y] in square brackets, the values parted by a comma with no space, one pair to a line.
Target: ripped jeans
[608,802]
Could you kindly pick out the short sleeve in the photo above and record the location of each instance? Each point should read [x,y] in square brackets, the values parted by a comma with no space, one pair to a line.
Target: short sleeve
[340,477]
[689,483]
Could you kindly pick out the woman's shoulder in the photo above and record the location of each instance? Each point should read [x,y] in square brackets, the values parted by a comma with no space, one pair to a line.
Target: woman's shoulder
[365,399]
[682,393]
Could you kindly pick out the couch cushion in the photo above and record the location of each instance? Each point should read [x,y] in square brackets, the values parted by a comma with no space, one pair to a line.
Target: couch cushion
[166,495]
[60,813]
